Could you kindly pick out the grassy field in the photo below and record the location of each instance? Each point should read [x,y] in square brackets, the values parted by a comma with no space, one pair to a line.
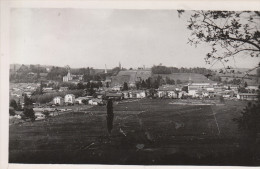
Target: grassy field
[145,132]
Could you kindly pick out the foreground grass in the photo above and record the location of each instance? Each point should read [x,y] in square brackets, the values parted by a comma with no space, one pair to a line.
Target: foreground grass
[145,132]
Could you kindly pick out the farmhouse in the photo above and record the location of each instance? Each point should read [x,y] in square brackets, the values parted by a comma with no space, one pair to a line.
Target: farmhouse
[252,89]
[167,91]
[193,88]
[117,88]
[125,94]
[116,96]
[69,98]
[62,89]
[95,101]
[48,90]
[247,96]
[58,100]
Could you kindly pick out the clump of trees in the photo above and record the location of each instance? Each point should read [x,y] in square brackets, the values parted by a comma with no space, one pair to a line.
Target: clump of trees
[160,69]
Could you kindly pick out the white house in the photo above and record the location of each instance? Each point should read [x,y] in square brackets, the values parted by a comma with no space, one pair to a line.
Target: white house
[58,100]
[94,101]
[140,94]
[126,94]
[69,98]
[172,94]
[117,88]
[63,89]
[194,88]
[247,96]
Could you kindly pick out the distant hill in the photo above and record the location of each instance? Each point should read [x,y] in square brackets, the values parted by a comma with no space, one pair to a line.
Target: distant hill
[130,76]
[185,77]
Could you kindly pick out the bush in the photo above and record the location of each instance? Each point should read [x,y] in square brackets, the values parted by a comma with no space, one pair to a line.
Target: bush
[221,99]
[13,104]
[11,111]
[29,113]
[46,113]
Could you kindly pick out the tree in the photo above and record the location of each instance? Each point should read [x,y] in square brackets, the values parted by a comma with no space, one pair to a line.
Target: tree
[28,108]
[13,104]
[148,83]
[185,88]
[242,90]
[11,111]
[137,84]
[245,85]
[178,81]
[143,84]
[169,81]
[19,107]
[80,86]
[29,113]
[107,84]
[125,86]
[229,33]
[84,101]
[221,99]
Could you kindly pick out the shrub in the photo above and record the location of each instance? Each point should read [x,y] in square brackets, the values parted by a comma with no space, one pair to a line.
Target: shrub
[11,111]
[221,99]
[13,104]
[46,113]
[29,113]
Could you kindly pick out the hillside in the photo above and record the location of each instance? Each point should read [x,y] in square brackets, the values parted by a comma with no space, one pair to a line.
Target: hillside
[130,76]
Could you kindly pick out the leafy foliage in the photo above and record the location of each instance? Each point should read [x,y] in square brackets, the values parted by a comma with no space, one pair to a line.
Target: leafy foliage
[28,108]
[229,33]
[29,113]
[11,111]
[125,86]
[249,121]
[13,104]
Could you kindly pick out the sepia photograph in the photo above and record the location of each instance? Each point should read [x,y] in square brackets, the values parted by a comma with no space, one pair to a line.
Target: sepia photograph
[137,86]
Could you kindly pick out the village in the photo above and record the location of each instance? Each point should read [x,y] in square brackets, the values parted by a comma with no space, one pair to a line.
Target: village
[49,97]
[131,85]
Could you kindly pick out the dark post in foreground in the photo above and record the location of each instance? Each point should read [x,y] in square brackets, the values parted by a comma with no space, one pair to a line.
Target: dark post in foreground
[110,115]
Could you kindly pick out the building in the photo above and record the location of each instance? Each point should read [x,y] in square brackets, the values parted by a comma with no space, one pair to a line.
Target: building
[95,101]
[48,90]
[117,88]
[252,89]
[247,96]
[193,88]
[168,91]
[62,89]
[68,77]
[58,100]
[69,98]
[126,95]
[115,96]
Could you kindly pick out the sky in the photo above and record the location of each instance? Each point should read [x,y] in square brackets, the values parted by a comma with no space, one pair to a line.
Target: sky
[99,37]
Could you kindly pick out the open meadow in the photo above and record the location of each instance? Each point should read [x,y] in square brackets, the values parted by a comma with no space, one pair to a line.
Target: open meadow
[146,131]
